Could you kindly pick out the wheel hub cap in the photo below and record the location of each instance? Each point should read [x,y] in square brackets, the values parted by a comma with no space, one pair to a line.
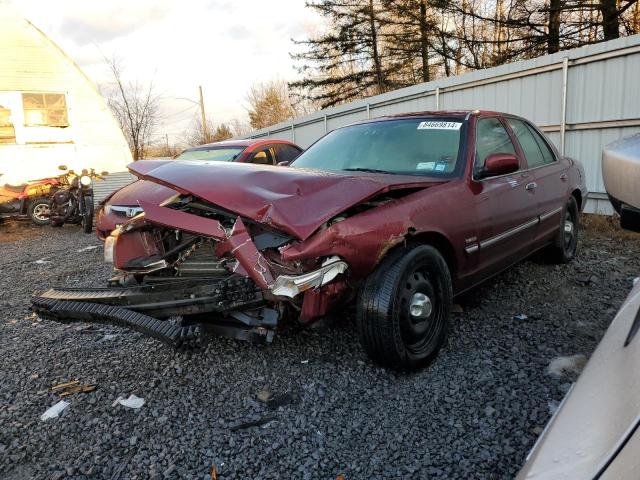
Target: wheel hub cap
[568,232]
[568,227]
[40,211]
[420,306]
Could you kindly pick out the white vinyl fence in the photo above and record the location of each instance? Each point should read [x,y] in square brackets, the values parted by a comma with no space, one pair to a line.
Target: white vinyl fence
[582,98]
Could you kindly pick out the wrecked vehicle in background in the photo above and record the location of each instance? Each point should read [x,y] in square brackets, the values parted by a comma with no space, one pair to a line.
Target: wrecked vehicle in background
[397,214]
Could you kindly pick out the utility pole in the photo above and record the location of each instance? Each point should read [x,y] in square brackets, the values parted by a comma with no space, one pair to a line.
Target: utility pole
[166,138]
[204,117]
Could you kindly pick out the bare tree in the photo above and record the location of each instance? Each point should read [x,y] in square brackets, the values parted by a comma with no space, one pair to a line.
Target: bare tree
[269,103]
[222,132]
[239,127]
[371,46]
[135,105]
[196,135]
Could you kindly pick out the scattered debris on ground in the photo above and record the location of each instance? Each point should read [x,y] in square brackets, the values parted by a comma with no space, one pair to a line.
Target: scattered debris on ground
[71,388]
[54,411]
[132,402]
[563,366]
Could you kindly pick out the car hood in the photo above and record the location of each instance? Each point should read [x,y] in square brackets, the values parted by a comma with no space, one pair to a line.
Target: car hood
[297,201]
[129,195]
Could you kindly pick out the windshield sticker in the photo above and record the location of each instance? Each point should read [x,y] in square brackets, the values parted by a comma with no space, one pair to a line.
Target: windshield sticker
[440,167]
[432,125]
[426,166]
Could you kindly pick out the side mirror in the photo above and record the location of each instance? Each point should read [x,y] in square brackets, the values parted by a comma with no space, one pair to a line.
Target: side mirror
[62,167]
[261,158]
[500,164]
[284,163]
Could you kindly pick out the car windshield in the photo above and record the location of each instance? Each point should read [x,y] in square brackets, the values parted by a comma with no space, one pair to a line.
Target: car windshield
[218,154]
[420,146]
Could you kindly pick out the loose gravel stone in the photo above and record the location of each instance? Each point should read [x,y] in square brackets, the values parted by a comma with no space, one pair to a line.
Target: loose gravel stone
[474,413]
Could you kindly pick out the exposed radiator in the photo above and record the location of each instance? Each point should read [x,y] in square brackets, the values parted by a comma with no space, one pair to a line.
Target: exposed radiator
[202,262]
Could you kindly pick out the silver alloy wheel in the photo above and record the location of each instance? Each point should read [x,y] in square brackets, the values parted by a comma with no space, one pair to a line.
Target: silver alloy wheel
[41,212]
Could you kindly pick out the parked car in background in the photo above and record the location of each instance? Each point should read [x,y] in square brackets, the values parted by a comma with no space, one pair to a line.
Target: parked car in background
[123,204]
[397,215]
[595,433]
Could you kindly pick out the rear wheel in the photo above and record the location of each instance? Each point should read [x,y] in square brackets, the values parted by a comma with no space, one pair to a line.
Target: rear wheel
[39,211]
[564,247]
[403,308]
[87,217]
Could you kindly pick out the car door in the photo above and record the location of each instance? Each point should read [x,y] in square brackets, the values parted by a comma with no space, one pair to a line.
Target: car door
[549,177]
[269,157]
[505,208]
[286,153]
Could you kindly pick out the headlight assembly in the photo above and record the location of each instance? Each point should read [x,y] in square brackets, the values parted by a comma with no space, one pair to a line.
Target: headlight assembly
[85,180]
[292,285]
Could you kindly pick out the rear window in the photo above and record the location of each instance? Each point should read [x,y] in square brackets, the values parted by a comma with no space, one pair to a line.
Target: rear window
[420,146]
[218,154]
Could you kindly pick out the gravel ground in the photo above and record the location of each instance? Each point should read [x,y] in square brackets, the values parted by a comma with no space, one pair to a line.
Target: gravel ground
[475,413]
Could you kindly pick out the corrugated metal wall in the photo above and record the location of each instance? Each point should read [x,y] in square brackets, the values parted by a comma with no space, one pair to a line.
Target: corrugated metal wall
[582,98]
[111,183]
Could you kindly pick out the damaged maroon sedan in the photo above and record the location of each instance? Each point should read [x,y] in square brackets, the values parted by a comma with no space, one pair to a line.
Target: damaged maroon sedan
[397,215]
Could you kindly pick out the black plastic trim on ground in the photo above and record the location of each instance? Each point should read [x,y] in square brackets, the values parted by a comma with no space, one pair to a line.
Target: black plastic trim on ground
[67,311]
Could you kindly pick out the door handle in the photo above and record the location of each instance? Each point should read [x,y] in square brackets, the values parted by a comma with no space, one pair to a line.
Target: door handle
[531,186]
[563,177]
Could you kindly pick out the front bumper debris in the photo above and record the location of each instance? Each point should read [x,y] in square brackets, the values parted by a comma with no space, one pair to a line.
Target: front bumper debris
[69,311]
[231,307]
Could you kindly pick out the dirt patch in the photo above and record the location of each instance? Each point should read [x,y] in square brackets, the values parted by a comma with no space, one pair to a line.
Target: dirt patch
[17,230]
[607,225]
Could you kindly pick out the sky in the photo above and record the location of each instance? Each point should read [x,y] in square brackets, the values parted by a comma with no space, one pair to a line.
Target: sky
[223,45]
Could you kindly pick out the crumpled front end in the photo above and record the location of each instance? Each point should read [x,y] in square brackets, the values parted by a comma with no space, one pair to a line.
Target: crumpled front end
[187,237]
[201,268]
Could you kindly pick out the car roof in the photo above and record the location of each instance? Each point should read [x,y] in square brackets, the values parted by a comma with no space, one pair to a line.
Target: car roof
[244,142]
[455,114]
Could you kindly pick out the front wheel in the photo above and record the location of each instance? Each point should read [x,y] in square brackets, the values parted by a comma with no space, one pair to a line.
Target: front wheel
[87,216]
[403,308]
[563,249]
[39,211]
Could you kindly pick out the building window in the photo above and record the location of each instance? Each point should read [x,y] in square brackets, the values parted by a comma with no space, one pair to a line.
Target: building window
[45,109]
[7,132]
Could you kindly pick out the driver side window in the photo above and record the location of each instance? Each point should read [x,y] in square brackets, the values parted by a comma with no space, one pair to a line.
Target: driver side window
[491,137]
[263,156]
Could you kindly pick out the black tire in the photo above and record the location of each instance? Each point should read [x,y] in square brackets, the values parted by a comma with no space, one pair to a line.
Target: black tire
[563,249]
[37,209]
[389,333]
[87,217]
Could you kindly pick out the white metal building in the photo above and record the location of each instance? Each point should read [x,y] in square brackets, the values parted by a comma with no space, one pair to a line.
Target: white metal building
[50,112]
